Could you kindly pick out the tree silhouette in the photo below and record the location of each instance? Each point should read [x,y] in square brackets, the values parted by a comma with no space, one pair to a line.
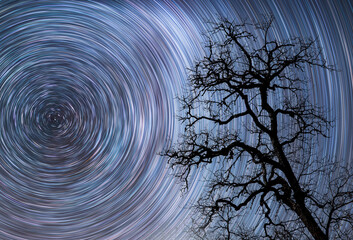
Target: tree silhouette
[249,77]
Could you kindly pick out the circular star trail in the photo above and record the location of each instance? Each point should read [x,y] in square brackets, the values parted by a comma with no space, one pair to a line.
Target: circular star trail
[88,100]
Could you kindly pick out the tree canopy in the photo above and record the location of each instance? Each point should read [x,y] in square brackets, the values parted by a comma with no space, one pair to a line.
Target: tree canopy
[248,106]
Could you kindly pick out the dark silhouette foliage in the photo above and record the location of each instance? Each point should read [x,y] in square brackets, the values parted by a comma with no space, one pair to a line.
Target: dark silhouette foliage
[249,77]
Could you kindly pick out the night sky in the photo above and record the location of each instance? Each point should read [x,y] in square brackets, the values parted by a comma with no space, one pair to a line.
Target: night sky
[88,101]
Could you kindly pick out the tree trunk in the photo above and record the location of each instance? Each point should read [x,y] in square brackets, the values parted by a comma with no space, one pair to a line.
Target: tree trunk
[298,204]
[305,215]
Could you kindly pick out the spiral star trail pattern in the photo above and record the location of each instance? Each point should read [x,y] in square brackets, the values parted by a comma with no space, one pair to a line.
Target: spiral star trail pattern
[87,101]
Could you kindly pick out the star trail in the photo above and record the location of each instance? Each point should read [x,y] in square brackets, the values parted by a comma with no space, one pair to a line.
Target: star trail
[88,101]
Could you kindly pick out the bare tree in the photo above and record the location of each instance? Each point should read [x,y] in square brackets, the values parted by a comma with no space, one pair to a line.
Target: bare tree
[249,77]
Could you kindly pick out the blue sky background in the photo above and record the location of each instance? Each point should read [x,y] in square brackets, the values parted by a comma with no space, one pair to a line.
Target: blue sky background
[87,101]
